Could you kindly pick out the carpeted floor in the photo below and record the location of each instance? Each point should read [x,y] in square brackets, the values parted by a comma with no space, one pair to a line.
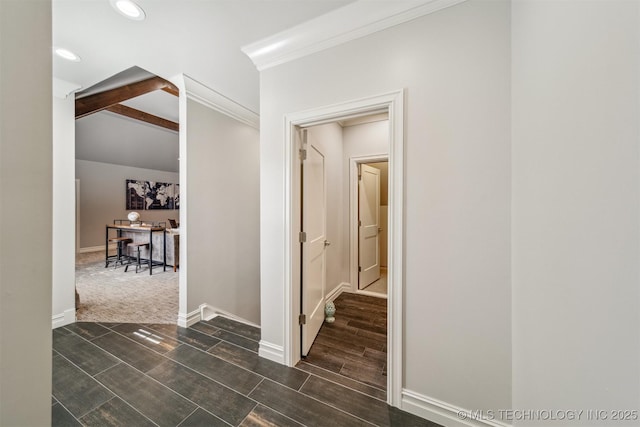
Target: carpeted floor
[112,296]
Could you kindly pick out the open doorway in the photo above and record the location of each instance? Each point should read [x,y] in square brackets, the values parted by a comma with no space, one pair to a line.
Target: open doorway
[390,104]
[370,218]
[127,147]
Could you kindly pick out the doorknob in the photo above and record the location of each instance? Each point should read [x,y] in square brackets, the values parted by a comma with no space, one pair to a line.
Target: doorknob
[327,243]
[379,229]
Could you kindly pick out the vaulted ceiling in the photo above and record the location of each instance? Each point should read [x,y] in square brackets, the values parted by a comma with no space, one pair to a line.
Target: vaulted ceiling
[200,38]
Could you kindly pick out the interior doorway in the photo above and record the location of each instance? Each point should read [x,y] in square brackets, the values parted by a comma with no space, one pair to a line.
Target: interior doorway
[390,104]
[370,219]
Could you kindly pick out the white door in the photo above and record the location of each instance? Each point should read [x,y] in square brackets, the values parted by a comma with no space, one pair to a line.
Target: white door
[369,217]
[314,241]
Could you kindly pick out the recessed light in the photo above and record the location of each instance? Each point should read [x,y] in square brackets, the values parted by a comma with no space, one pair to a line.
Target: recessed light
[129,9]
[66,54]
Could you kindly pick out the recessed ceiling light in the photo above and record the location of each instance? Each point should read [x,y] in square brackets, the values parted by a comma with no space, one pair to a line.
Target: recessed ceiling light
[66,54]
[129,9]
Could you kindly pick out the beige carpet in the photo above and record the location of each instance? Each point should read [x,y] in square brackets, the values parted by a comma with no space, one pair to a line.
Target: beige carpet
[113,296]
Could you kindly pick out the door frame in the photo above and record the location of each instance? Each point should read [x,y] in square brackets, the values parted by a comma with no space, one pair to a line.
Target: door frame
[354,163]
[393,103]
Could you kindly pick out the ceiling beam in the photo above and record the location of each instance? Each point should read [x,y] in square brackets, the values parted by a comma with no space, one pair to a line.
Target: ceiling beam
[100,101]
[142,116]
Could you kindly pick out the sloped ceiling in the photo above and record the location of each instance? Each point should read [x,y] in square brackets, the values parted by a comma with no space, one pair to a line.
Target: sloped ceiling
[201,38]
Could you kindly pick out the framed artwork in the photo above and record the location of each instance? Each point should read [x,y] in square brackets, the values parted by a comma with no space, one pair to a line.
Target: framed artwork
[151,195]
[159,195]
[136,192]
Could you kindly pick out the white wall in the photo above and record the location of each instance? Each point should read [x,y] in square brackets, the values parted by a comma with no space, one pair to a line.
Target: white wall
[64,210]
[25,213]
[103,197]
[223,195]
[329,138]
[575,193]
[455,67]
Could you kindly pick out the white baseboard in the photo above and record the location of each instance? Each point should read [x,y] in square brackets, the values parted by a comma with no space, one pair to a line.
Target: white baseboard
[96,248]
[188,319]
[272,352]
[335,293]
[443,413]
[208,312]
[65,318]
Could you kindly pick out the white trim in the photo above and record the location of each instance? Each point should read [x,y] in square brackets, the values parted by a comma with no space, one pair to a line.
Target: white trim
[392,102]
[215,312]
[335,293]
[339,26]
[371,293]
[65,318]
[271,351]
[208,97]
[62,88]
[444,413]
[99,248]
[353,215]
[188,319]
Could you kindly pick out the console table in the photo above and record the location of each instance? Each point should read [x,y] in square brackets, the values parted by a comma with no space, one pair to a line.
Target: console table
[138,234]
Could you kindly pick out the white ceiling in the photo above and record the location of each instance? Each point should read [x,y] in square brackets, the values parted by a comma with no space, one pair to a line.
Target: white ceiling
[201,38]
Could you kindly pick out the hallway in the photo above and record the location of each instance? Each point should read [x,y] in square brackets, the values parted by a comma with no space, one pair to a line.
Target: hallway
[207,375]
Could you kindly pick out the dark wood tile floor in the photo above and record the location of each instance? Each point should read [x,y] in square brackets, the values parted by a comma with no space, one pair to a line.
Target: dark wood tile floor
[206,375]
[354,346]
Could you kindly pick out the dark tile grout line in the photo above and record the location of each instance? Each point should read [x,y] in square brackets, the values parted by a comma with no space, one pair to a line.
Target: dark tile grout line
[180,343]
[163,385]
[120,361]
[343,385]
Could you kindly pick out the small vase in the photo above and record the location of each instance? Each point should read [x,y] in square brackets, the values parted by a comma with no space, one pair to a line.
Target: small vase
[329,311]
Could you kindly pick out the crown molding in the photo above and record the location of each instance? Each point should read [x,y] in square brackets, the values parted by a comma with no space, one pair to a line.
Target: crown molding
[216,101]
[339,26]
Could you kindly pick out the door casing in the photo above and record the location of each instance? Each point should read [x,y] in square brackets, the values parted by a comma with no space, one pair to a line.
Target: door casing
[354,162]
[393,104]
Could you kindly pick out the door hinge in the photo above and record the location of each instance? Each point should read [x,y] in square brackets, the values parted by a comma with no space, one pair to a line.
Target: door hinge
[359,269]
[303,154]
[359,223]
[302,319]
[302,237]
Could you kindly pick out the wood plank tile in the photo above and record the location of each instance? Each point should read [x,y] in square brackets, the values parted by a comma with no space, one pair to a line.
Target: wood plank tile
[204,328]
[245,330]
[290,377]
[346,357]
[215,368]
[364,374]
[399,417]
[341,379]
[201,418]
[301,408]
[365,407]
[147,337]
[63,418]
[115,413]
[376,343]
[156,402]
[237,340]
[186,335]
[88,330]
[84,354]
[364,326]
[262,416]
[221,401]
[76,390]
[135,354]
